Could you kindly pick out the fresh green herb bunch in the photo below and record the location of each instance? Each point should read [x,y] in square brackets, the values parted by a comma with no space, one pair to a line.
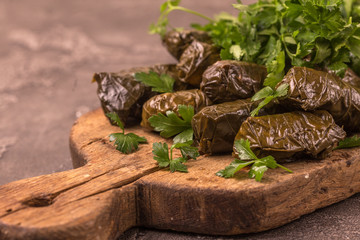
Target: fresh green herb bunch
[284,33]
[246,157]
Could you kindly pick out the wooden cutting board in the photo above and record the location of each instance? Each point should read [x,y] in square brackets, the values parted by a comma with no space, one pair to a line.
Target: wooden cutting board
[110,192]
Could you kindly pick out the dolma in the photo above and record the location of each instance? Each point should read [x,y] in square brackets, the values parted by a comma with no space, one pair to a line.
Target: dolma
[292,134]
[121,93]
[216,126]
[194,61]
[311,89]
[177,41]
[229,80]
[170,101]
[351,78]
[170,69]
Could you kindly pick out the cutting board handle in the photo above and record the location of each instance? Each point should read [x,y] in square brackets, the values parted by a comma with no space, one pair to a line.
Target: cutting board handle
[66,205]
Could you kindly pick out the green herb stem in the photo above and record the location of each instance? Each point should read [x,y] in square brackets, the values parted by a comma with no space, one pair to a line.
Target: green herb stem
[189,11]
[171,153]
[286,169]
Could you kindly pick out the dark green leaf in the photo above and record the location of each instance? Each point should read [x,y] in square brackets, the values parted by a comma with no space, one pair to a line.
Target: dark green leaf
[188,151]
[160,83]
[171,125]
[161,154]
[184,136]
[349,142]
[263,103]
[339,68]
[257,171]
[269,95]
[136,137]
[268,161]
[323,51]
[273,79]
[242,149]
[233,168]
[115,118]
[263,93]
[177,165]
[182,144]
[282,90]
[259,166]
[168,125]
[354,45]
[126,143]
[186,112]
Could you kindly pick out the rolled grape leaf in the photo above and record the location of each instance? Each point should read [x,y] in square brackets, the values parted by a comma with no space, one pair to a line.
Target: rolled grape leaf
[170,102]
[292,134]
[177,41]
[311,89]
[351,78]
[194,61]
[121,93]
[229,80]
[216,126]
[170,69]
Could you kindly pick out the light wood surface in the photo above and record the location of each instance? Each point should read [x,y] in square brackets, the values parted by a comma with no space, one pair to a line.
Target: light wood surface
[110,192]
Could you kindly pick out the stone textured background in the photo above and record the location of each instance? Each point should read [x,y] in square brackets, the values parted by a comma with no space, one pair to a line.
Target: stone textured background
[49,50]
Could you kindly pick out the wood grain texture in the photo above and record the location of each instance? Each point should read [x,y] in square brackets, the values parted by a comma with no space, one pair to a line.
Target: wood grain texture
[110,192]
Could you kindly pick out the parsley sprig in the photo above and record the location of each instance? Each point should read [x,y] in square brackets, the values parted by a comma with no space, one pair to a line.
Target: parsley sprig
[160,83]
[167,7]
[164,159]
[247,157]
[125,143]
[171,125]
[268,94]
[349,142]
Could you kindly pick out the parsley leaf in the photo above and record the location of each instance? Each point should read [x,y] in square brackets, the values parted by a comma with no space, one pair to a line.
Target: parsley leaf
[160,83]
[268,94]
[171,125]
[246,158]
[349,142]
[233,168]
[187,151]
[115,119]
[125,143]
[161,155]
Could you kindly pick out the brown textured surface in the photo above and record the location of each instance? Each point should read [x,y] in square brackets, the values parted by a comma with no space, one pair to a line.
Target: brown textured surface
[49,52]
[113,192]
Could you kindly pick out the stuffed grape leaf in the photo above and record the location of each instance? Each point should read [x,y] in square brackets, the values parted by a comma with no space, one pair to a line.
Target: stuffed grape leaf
[229,80]
[216,126]
[170,102]
[310,89]
[177,41]
[292,134]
